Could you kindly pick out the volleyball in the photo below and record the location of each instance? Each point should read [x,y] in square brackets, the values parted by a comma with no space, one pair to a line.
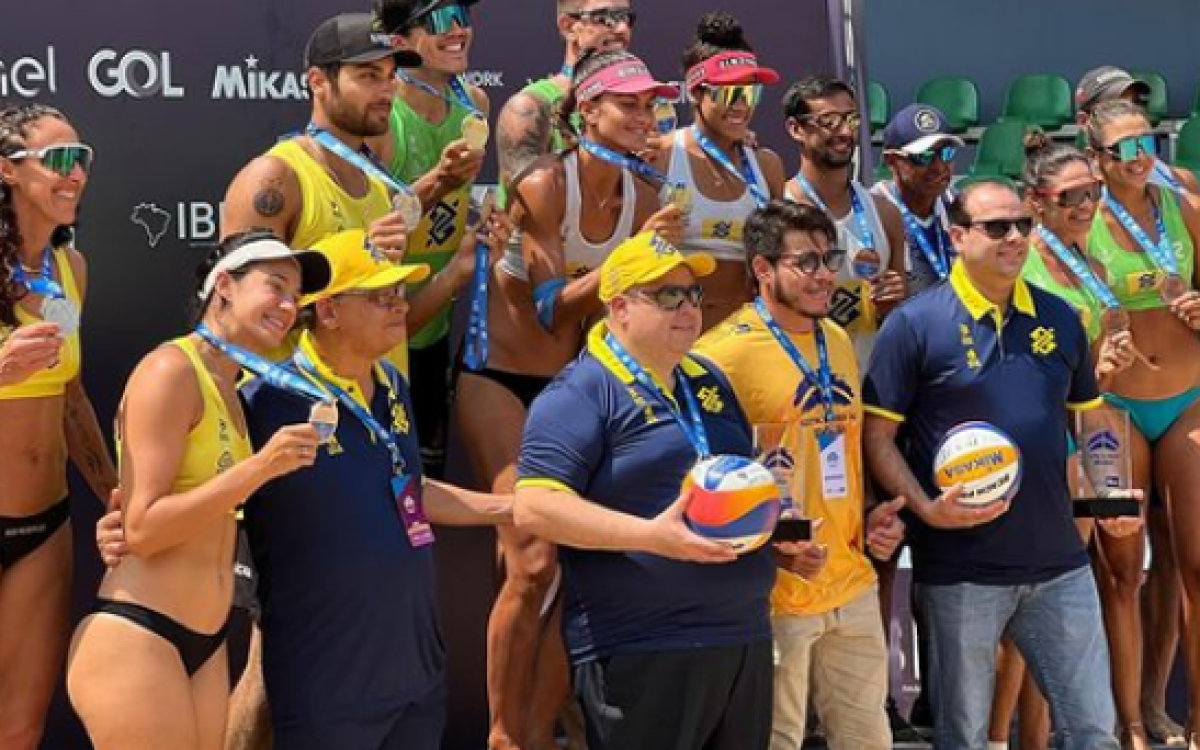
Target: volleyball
[733,500]
[983,459]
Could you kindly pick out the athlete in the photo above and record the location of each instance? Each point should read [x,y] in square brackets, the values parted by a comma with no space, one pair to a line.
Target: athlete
[724,177]
[46,413]
[186,466]
[572,210]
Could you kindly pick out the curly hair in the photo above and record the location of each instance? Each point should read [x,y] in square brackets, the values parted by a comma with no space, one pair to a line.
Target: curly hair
[16,120]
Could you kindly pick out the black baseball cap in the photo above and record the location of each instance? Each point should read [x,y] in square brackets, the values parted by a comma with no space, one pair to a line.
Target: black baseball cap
[1105,83]
[353,38]
[400,15]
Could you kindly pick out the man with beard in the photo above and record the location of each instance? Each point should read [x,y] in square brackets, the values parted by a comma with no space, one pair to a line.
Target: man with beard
[822,116]
[920,149]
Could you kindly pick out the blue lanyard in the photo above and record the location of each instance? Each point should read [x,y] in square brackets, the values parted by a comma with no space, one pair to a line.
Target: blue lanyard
[635,165]
[1081,269]
[457,88]
[380,433]
[271,373]
[746,173]
[938,260]
[475,353]
[823,377]
[1160,253]
[864,235]
[1163,176]
[695,432]
[364,160]
[45,286]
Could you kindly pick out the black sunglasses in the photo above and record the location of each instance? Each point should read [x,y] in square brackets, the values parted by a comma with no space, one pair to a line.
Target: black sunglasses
[998,229]
[670,298]
[610,17]
[808,263]
[1076,196]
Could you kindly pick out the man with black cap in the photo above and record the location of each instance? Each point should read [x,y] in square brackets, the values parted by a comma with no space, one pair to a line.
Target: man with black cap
[1107,83]
[919,149]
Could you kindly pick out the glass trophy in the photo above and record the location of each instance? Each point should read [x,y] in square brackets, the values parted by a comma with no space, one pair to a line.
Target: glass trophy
[1104,481]
[777,447]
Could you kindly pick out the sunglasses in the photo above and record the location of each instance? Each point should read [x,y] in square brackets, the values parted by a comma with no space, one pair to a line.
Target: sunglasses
[610,17]
[61,158]
[998,229]
[442,20]
[671,298]
[1128,149]
[808,263]
[834,121]
[1076,196]
[388,298]
[925,158]
[727,96]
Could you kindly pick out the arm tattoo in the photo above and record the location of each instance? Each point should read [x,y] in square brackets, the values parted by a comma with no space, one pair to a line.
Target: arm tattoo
[268,201]
[525,136]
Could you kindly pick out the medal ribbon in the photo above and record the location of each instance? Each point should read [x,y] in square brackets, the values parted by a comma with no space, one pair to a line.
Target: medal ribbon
[633,164]
[864,235]
[1161,252]
[822,379]
[461,96]
[363,159]
[746,173]
[273,374]
[938,261]
[45,286]
[1097,288]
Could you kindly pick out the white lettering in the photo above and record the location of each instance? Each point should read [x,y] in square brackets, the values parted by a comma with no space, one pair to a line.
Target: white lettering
[136,73]
[248,83]
[29,77]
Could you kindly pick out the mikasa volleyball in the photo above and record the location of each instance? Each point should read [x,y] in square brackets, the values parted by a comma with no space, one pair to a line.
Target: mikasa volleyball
[733,500]
[983,459]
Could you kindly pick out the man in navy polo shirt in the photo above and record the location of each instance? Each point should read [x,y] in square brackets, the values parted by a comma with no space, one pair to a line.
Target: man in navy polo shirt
[352,654]
[668,653]
[985,346]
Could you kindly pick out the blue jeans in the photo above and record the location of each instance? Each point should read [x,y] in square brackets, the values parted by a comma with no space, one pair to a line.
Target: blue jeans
[1057,627]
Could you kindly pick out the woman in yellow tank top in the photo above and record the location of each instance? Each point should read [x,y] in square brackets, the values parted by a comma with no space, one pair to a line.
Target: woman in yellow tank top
[1162,393]
[44,412]
[186,465]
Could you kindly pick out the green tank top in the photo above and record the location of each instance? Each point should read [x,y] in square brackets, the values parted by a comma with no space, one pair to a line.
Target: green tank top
[1078,297]
[417,145]
[549,93]
[1132,274]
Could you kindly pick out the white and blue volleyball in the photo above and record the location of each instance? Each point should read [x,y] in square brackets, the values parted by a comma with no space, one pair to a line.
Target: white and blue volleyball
[983,459]
[733,500]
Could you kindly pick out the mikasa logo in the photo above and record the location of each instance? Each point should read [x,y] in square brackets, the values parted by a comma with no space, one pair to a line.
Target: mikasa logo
[247,82]
[28,77]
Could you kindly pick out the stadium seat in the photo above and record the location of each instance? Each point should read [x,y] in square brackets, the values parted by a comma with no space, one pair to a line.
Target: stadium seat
[957,98]
[1044,100]
[1187,146]
[1156,108]
[1001,150]
[879,105]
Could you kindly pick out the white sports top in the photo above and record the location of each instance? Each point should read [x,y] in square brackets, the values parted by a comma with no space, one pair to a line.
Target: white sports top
[713,227]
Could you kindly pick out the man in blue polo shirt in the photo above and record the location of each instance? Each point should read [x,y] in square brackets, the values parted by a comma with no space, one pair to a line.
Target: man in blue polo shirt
[985,346]
[352,654]
[668,653]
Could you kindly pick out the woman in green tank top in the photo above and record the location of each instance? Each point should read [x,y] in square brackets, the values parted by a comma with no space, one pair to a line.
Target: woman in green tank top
[1145,238]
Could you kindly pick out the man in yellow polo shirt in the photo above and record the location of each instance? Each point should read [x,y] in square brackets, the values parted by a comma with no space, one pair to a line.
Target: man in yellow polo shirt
[790,366]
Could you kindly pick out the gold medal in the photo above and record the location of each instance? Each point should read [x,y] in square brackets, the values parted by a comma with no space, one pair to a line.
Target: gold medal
[475,132]
[679,196]
[324,417]
[408,205]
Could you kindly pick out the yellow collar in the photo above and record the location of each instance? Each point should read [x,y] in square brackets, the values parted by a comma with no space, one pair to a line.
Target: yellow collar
[979,305]
[599,348]
[327,375]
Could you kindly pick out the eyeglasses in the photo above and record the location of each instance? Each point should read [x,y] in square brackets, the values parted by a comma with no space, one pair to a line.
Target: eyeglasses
[1076,196]
[998,229]
[671,298]
[61,158]
[808,263]
[1128,149]
[610,17]
[925,158]
[727,96]
[388,298]
[833,121]
[442,20]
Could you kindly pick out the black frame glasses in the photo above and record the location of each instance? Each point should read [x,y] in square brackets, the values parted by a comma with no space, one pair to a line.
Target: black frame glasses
[808,263]
[998,229]
[670,298]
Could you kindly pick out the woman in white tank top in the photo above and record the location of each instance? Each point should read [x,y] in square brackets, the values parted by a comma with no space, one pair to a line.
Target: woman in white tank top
[725,178]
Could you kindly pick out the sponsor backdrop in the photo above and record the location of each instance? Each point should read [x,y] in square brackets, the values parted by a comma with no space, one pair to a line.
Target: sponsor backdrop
[175,97]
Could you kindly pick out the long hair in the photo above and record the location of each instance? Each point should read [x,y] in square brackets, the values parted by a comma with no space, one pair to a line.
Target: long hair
[16,121]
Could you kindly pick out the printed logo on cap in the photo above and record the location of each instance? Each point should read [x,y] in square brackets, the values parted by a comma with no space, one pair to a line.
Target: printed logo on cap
[662,248]
[926,121]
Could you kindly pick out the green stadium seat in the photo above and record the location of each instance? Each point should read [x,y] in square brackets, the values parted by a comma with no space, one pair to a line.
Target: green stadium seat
[882,172]
[1001,150]
[957,98]
[879,105]
[1044,100]
[1187,146]
[1156,108]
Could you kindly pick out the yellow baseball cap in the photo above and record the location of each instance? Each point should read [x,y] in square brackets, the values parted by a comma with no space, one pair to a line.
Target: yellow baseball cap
[355,266]
[643,258]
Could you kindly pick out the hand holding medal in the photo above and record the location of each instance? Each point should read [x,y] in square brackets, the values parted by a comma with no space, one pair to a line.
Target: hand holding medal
[1118,352]
[324,418]
[475,132]
[27,350]
[1185,303]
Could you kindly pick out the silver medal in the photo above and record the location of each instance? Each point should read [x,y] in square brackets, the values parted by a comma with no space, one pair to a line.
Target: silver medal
[63,313]
[324,417]
[408,205]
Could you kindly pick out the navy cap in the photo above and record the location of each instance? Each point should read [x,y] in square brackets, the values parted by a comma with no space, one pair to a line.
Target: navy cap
[352,38]
[918,128]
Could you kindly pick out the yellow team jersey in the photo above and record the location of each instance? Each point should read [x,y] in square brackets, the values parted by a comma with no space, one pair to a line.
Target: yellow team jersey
[328,209]
[771,389]
[51,381]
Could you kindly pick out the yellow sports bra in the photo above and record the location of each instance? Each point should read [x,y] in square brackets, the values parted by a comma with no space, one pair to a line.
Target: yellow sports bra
[51,381]
[214,444]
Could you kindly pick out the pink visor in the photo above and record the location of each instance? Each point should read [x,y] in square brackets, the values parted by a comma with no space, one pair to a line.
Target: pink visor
[730,68]
[626,77]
